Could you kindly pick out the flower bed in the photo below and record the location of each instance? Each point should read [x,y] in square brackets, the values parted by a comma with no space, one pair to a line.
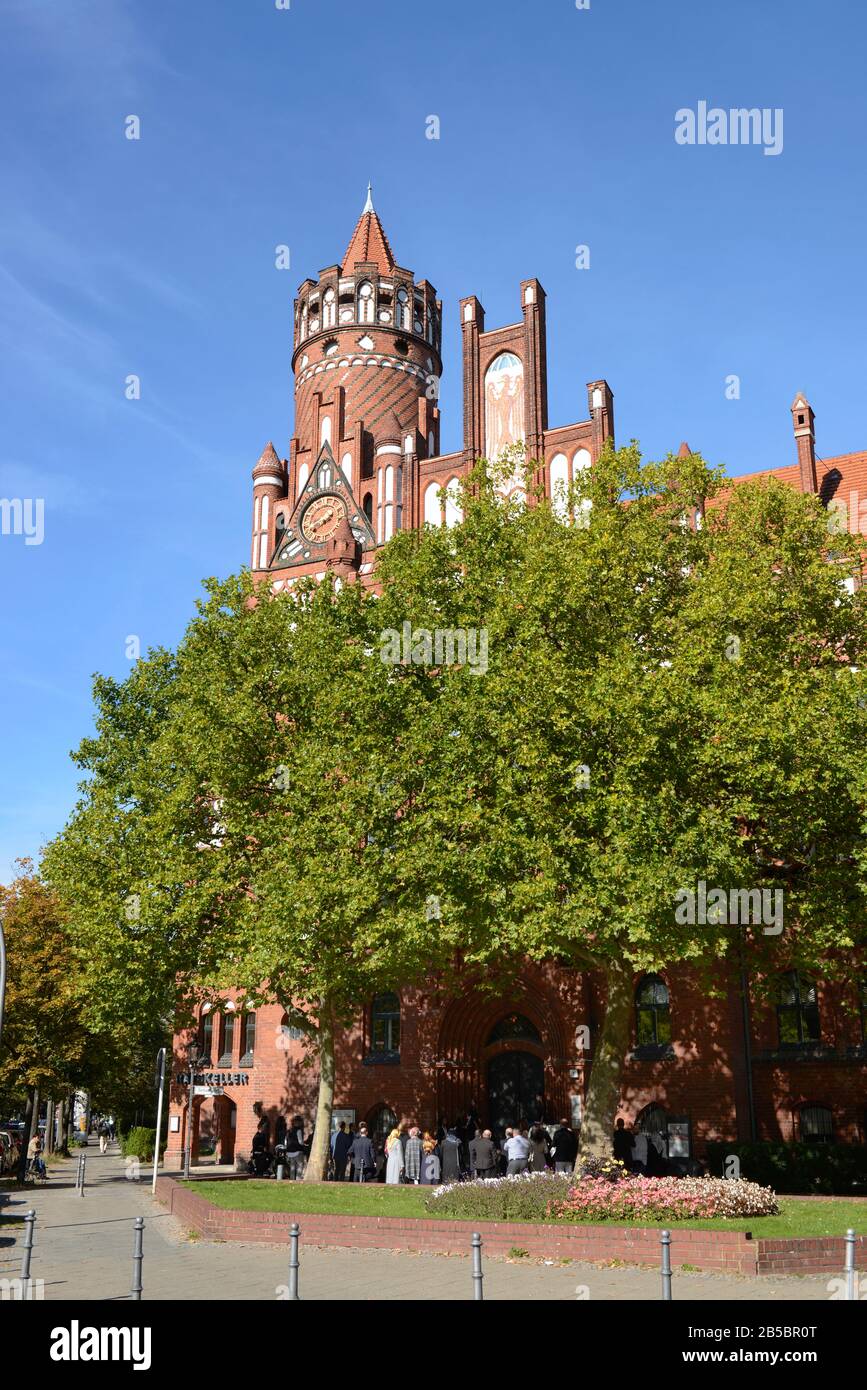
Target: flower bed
[562,1197]
[518,1197]
[663,1199]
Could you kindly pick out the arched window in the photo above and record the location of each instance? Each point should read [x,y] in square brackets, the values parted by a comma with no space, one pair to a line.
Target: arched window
[385,1025]
[329,309]
[580,462]
[325,431]
[303,475]
[289,1033]
[206,1038]
[559,478]
[433,512]
[248,1039]
[816,1124]
[365,302]
[653,1120]
[454,514]
[304,321]
[402,317]
[323,477]
[380,1122]
[431,444]
[367,506]
[227,1040]
[797,1011]
[514,1026]
[652,1013]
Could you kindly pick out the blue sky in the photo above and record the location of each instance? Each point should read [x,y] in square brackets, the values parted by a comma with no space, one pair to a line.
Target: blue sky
[261,126]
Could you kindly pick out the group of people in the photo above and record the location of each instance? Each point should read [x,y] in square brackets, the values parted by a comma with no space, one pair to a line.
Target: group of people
[456,1152]
[642,1151]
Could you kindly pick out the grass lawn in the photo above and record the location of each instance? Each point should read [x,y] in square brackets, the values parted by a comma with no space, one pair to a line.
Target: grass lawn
[797,1217]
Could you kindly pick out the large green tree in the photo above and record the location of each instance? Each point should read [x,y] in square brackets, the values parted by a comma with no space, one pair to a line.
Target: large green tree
[666,701]
[247,820]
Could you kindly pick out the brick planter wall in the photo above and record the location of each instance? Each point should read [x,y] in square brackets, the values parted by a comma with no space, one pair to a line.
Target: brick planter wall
[730,1252]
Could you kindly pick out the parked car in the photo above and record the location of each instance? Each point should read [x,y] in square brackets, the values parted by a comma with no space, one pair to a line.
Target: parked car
[7,1151]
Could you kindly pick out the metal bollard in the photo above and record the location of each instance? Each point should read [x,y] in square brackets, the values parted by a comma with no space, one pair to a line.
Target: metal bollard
[478,1276]
[27,1251]
[82,1167]
[666,1266]
[294,1232]
[137,1257]
[850,1266]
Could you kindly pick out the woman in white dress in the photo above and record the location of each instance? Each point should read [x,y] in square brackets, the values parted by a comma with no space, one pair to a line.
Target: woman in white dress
[394,1157]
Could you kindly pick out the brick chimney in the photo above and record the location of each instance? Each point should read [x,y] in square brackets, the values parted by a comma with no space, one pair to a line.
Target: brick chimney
[803,420]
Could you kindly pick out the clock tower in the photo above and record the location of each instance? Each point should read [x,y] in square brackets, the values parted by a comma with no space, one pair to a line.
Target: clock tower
[367,367]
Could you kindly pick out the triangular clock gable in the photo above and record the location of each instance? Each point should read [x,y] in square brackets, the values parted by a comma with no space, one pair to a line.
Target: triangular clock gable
[292,547]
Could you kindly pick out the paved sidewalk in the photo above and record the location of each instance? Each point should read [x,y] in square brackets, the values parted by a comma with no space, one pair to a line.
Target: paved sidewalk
[84,1251]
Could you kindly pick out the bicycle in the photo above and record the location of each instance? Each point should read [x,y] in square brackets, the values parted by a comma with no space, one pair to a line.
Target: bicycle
[36,1171]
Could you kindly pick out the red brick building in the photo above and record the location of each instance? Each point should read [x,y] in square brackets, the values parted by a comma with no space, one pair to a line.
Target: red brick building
[364,462]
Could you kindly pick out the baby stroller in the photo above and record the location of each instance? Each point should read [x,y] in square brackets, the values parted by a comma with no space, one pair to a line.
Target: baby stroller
[262,1164]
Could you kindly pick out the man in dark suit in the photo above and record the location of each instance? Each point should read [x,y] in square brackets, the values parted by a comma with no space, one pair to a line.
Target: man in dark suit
[483,1155]
[564,1148]
[340,1146]
[363,1155]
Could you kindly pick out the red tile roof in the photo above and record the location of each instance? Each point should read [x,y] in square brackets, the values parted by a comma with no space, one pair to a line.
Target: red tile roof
[369,243]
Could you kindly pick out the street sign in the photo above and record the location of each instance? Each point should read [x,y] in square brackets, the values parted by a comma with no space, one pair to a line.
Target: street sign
[208,1091]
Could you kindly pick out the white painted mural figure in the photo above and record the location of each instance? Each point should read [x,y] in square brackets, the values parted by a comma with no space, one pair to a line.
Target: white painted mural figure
[504,408]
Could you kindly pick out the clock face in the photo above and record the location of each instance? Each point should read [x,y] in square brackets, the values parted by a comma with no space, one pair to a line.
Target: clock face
[322,518]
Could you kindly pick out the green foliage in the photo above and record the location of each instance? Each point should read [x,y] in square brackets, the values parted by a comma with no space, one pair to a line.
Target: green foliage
[44,1038]
[272,806]
[140,1143]
[609,649]
[832,1169]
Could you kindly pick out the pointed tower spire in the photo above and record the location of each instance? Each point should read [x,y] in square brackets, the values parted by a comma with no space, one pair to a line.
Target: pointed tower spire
[369,243]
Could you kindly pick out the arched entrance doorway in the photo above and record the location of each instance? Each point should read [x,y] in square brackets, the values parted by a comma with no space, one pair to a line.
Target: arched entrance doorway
[516,1085]
[515,1073]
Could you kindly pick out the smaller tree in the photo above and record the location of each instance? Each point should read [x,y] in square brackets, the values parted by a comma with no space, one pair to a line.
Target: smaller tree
[44,1036]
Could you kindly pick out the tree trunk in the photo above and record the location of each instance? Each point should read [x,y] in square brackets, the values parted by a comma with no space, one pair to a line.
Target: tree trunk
[603,1094]
[70,1119]
[317,1164]
[62,1144]
[31,1127]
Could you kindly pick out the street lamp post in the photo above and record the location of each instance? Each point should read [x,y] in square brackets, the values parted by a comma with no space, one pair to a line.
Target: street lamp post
[193,1054]
[161,1084]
